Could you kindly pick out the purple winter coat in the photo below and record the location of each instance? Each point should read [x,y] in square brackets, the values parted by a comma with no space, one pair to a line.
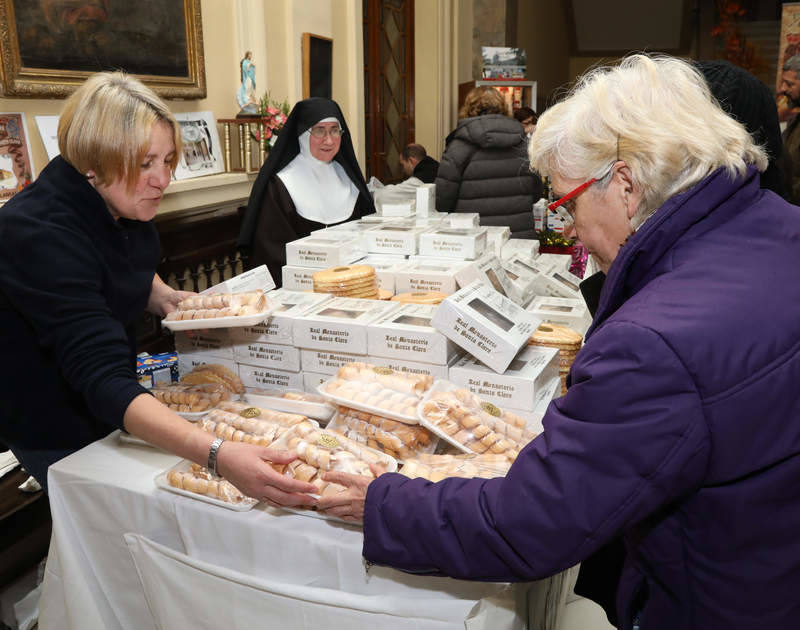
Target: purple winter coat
[681,431]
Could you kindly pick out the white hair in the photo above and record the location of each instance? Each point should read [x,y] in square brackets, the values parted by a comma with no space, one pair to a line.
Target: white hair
[654,112]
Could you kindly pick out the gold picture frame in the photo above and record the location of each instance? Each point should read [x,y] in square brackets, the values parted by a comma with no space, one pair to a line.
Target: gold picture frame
[48,48]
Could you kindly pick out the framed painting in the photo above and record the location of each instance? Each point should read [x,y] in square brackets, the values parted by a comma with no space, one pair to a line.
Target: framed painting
[49,47]
[317,66]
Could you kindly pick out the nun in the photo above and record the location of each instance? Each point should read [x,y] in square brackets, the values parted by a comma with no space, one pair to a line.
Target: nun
[310,180]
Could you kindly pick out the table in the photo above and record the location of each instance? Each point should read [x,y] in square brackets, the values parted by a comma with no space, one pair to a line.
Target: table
[127,554]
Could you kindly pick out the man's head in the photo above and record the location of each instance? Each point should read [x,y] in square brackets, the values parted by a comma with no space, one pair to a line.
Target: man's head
[790,80]
[410,157]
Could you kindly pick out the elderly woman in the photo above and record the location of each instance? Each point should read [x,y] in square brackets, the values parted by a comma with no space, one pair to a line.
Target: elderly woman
[310,180]
[484,167]
[77,267]
[678,431]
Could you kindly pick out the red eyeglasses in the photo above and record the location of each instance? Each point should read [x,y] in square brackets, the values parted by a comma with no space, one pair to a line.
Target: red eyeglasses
[565,206]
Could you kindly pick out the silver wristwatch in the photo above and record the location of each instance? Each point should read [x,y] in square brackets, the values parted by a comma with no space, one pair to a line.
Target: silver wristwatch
[212,455]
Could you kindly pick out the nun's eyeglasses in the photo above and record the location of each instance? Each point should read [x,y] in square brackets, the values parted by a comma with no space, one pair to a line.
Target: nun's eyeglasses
[321,132]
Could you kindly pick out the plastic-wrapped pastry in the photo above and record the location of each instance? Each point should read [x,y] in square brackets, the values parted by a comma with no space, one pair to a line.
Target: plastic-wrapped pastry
[191,398]
[244,409]
[201,482]
[438,467]
[219,305]
[214,373]
[394,438]
[479,426]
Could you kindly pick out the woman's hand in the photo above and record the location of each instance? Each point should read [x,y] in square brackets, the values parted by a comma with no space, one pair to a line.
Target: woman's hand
[348,505]
[246,467]
[163,298]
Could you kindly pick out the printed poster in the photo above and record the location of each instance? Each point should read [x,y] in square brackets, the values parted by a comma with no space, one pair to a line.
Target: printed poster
[16,166]
[789,45]
[201,153]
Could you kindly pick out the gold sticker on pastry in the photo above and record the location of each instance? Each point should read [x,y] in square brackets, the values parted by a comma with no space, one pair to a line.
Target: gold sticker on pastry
[327,441]
[382,370]
[491,409]
[250,412]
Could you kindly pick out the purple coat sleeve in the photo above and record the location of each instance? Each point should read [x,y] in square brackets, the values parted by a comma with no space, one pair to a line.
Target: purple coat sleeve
[629,438]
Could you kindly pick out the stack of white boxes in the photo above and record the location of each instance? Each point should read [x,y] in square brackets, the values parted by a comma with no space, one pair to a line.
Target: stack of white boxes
[312,253]
[405,339]
[265,355]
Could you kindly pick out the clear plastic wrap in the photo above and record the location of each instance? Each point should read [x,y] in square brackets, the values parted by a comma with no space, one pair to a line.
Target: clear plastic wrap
[220,310]
[474,426]
[191,399]
[394,438]
[378,390]
[292,401]
[191,480]
[437,467]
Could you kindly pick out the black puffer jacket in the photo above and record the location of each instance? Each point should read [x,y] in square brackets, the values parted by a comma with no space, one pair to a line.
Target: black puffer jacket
[484,169]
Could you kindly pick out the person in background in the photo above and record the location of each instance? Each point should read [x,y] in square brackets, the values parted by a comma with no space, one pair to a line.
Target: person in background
[416,162]
[790,87]
[527,118]
[745,97]
[77,268]
[484,167]
[310,180]
[664,438]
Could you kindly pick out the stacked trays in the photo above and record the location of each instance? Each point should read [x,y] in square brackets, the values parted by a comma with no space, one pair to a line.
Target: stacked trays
[355,281]
[566,340]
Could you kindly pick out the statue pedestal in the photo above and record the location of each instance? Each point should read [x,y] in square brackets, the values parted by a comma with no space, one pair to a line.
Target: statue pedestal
[242,131]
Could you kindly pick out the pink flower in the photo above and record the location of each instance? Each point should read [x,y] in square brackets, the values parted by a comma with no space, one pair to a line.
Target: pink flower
[272,110]
[267,133]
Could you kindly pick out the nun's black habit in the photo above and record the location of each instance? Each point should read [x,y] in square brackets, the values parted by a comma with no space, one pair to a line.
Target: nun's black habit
[271,219]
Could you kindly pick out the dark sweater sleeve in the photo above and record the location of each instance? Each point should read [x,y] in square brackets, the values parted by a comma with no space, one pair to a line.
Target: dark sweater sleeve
[59,292]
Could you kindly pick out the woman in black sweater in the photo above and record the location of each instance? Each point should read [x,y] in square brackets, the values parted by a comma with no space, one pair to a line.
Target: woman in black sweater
[77,267]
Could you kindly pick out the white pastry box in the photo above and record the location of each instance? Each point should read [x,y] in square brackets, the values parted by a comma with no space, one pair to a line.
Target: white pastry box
[437,372]
[559,262]
[496,237]
[427,276]
[278,328]
[377,219]
[345,231]
[486,324]
[458,243]
[214,342]
[271,355]
[560,284]
[339,325]
[426,199]
[519,387]
[251,280]
[394,239]
[569,312]
[269,378]
[404,208]
[523,279]
[298,278]
[488,270]
[188,362]
[407,334]
[323,252]
[527,247]
[463,219]
[326,361]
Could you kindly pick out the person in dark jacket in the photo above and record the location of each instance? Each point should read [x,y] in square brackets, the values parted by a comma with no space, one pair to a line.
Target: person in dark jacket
[677,431]
[484,167]
[415,162]
[310,180]
[77,268]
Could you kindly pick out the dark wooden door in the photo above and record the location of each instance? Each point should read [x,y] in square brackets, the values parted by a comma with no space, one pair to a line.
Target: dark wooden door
[388,85]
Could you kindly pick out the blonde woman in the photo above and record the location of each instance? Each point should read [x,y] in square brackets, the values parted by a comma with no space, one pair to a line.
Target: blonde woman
[678,435]
[77,268]
[484,167]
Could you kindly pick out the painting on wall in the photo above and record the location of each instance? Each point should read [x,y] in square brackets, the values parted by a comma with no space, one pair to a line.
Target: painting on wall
[789,46]
[49,47]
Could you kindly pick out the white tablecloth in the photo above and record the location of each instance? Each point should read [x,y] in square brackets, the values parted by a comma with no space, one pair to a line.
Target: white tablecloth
[126,554]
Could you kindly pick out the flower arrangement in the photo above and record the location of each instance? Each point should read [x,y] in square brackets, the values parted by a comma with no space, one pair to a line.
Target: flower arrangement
[273,114]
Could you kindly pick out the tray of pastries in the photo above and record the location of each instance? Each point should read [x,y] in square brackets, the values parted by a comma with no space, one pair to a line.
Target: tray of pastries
[194,481]
[292,401]
[221,310]
[435,467]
